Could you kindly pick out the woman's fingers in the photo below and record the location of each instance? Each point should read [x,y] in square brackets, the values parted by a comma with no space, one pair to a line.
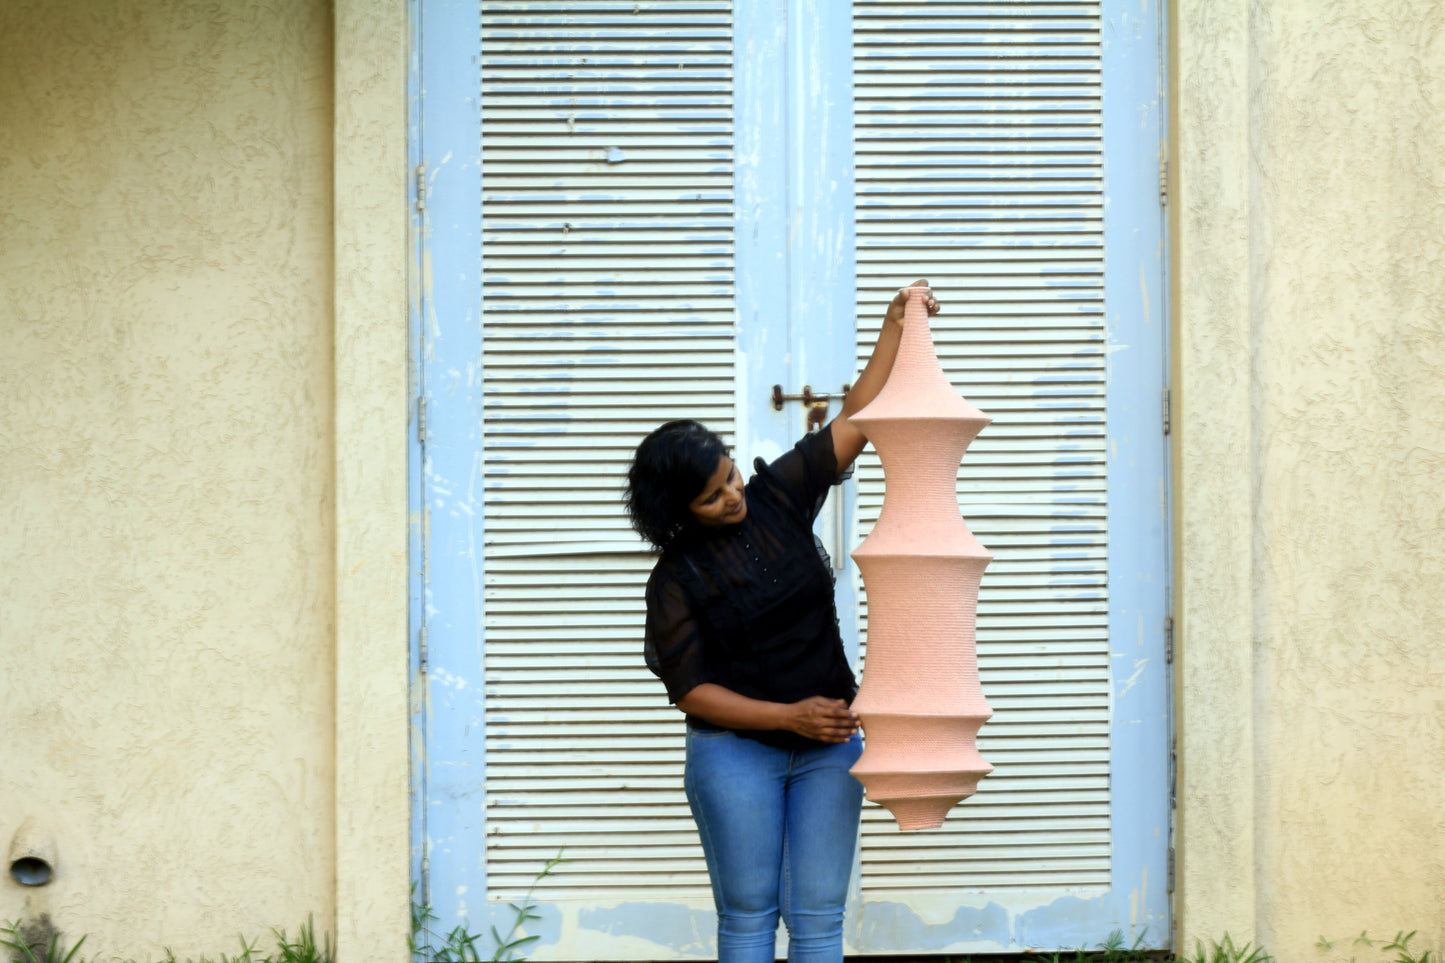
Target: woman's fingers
[931,303]
[901,298]
[837,722]
[827,720]
[839,709]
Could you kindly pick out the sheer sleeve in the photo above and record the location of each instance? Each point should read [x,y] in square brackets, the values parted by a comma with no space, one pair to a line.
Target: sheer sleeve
[803,474]
[673,642]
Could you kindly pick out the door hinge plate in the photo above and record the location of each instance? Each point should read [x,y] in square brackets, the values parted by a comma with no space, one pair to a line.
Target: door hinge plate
[1165,410]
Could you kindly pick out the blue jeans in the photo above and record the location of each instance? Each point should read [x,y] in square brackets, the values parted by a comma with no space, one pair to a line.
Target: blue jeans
[779,829]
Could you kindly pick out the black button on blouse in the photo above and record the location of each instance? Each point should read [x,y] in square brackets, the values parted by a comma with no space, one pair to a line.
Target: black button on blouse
[750,606]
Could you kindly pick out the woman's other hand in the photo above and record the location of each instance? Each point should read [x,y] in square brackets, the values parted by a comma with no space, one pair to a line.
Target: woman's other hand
[895,307]
[827,720]
[823,719]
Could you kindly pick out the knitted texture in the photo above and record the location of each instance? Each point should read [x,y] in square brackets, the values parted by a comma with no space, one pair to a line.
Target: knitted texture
[920,700]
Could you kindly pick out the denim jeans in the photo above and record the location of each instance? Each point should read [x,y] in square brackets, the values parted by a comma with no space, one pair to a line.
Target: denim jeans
[779,829]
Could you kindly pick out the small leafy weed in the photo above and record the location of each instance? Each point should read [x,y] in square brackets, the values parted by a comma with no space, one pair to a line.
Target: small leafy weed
[1226,952]
[460,945]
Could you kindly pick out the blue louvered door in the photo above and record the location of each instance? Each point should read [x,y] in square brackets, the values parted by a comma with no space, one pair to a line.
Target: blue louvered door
[982,162]
[634,211]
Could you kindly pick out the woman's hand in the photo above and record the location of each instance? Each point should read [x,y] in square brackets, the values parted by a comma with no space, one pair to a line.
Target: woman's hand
[827,720]
[895,307]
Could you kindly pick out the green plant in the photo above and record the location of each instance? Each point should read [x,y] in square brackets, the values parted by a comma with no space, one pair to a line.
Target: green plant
[1227,952]
[248,951]
[460,945]
[1400,946]
[24,944]
[304,949]
[1112,950]
[505,947]
[29,945]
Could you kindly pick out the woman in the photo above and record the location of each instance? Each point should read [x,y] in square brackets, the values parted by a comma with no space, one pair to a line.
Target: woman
[742,628]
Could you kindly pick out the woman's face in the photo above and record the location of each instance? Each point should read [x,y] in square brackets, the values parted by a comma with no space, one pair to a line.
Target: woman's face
[721,501]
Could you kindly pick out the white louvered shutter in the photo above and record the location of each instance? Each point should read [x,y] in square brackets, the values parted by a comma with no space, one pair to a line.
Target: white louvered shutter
[607,309]
[979,166]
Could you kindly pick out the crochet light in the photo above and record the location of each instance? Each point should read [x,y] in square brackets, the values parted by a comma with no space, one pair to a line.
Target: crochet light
[920,701]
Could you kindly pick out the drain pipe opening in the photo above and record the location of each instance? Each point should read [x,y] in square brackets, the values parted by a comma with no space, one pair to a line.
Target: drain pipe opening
[32,856]
[30,871]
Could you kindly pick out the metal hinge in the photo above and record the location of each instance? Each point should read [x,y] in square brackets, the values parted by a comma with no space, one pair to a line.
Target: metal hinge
[1171,870]
[1165,411]
[421,419]
[1163,182]
[426,881]
[421,647]
[420,187]
[1168,640]
[1173,776]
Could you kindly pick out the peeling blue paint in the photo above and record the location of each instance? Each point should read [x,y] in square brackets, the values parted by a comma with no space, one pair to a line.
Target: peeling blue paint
[679,928]
[1069,922]
[882,926]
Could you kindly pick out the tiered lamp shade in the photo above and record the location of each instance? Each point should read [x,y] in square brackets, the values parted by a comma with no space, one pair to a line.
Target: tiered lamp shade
[920,701]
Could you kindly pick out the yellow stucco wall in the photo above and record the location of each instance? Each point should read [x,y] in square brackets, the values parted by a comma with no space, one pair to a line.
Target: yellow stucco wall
[1309,277]
[372,394]
[189,558]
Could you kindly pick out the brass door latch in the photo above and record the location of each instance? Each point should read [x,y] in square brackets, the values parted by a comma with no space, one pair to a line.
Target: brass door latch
[817,404]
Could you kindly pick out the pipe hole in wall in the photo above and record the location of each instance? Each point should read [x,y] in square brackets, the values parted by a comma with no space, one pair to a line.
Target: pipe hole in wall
[30,871]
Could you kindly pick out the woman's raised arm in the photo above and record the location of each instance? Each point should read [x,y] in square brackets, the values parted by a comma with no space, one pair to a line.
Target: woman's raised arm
[848,441]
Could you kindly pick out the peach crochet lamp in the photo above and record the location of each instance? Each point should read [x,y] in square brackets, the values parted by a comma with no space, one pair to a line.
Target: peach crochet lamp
[920,701]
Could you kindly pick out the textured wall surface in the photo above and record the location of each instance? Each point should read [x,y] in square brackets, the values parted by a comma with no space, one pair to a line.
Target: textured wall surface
[166,462]
[1309,237]
[373,870]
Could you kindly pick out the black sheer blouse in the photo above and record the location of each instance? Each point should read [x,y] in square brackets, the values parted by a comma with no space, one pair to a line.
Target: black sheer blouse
[750,606]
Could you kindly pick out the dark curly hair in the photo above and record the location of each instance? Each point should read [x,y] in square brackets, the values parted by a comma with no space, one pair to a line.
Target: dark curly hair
[668,471]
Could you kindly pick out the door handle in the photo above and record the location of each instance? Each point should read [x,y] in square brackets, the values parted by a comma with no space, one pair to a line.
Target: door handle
[817,404]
